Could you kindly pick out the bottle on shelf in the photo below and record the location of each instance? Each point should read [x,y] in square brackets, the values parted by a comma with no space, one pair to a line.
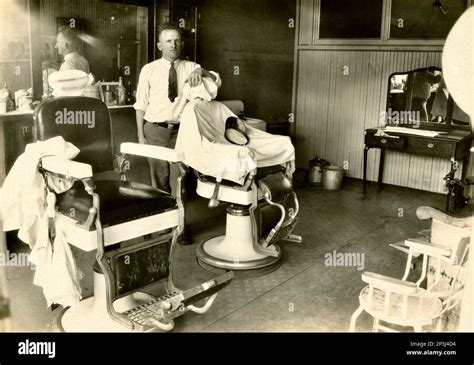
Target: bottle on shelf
[109,96]
[121,93]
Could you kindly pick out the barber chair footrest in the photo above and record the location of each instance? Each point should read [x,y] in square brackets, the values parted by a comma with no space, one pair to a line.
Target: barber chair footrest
[90,315]
[161,311]
[145,311]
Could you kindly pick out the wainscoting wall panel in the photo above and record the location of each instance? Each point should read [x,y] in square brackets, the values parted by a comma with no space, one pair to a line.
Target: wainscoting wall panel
[334,109]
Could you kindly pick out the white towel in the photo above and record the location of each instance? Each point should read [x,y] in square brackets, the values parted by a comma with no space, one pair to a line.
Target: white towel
[23,208]
[206,90]
[22,193]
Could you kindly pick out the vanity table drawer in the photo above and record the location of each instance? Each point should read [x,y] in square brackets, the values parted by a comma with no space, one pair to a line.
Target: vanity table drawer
[431,147]
[374,141]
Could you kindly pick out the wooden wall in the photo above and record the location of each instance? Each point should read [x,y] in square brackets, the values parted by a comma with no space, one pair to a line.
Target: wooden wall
[333,109]
[256,37]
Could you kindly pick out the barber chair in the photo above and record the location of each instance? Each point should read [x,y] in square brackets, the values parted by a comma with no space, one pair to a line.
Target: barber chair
[260,213]
[117,218]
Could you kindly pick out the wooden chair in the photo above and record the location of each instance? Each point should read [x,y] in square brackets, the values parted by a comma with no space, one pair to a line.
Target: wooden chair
[438,289]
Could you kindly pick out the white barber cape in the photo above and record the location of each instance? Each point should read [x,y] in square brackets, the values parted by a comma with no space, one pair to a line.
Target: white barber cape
[23,208]
[201,138]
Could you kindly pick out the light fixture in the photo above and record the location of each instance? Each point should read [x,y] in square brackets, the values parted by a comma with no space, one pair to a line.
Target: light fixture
[439,5]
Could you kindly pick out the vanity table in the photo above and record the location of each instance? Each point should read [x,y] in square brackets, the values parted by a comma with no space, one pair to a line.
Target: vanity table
[420,119]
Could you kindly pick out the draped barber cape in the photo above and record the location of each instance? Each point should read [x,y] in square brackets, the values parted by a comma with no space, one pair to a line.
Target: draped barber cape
[201,138]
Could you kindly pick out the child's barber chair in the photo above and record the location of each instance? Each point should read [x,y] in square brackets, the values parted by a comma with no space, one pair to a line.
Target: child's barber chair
[260,213]
[107,215]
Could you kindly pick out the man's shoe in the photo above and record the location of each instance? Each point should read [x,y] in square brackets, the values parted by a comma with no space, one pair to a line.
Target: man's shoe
[184,239]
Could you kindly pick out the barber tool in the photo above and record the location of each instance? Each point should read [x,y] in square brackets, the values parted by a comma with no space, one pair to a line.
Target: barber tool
[235,131]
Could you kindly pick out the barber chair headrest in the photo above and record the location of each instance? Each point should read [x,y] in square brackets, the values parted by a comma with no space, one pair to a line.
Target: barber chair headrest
[82,121]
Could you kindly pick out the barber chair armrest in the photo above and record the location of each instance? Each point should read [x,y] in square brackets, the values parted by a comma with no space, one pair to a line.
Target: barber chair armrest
[425,212]
[157,152]
[65,167]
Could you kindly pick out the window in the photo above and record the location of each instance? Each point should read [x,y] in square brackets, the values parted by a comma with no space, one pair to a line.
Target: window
[350,19]
[425,19]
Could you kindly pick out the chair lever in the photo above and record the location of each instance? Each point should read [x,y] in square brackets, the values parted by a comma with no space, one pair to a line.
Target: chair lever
[214,202]
[90,219]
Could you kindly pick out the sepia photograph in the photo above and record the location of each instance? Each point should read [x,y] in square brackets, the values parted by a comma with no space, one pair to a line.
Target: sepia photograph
[237,167]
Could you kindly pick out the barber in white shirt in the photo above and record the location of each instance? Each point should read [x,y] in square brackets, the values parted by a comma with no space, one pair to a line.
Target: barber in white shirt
[158,97]
[158,101]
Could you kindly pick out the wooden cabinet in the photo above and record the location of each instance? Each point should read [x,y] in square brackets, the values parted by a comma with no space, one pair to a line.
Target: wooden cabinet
[453,145]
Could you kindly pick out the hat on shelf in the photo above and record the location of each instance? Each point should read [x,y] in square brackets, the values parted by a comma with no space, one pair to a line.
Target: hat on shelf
[70,82]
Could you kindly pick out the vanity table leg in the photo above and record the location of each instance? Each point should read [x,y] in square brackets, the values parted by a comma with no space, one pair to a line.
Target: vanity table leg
[381,166]
[364,182]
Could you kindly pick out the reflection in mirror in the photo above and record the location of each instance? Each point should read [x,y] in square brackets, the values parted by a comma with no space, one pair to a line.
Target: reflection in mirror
[397,95]
[439,106]
[422,86]
[420,99]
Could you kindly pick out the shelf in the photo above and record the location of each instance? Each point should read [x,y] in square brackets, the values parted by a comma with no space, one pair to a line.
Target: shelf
[13,61]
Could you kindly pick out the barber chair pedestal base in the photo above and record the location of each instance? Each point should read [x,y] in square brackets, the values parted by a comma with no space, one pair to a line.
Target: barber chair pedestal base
[235,251]
[90,315]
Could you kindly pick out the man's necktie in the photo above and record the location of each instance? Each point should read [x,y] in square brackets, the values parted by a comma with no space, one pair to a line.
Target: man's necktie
[172,83]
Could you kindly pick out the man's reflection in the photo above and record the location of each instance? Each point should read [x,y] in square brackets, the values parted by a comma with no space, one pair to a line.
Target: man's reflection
[422,82]
[439,109]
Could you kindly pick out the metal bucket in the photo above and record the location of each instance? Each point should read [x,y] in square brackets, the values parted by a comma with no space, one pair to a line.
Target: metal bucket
[332,177]
[316,170]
